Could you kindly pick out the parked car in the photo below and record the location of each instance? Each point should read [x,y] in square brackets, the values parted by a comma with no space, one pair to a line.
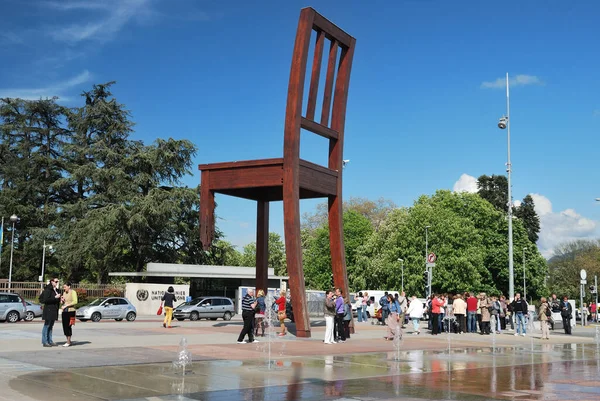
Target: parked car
[108,308]
[33,311]
[12,307]
[211,308]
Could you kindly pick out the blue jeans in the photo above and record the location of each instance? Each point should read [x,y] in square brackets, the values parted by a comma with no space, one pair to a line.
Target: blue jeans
[359,312]
[521,328]
[472,322]
[384,315]
[415,322]
[47,332]
[364,311]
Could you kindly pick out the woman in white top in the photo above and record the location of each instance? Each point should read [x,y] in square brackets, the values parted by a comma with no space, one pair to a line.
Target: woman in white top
[415,311]
[358,303]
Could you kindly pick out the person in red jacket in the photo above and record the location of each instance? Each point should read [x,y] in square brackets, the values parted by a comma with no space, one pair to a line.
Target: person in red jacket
[281,301]
[472,314]
[436,305]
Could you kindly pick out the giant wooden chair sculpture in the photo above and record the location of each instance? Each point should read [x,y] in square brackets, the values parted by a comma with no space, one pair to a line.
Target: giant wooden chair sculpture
[291,178]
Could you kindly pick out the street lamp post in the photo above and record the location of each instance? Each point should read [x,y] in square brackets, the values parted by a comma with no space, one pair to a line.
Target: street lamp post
[524,282]
[13,219]
[502,124]
[402,266]
[41,279]
[427,269]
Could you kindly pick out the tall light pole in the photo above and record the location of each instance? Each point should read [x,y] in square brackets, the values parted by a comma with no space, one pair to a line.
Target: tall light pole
[41,278]
[504,123]
[1,242]
[427,269]
[402,266]
[524,282]
[13,219]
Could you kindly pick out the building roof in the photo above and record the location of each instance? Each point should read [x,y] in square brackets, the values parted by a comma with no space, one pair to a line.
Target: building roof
[197,271]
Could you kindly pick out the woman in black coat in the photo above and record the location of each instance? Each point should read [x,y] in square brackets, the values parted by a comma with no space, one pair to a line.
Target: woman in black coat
[51,299]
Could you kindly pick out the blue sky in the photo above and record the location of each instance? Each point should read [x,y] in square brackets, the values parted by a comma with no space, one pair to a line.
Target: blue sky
[424,98]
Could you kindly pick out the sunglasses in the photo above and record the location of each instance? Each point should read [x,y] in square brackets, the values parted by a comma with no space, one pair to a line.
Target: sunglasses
[55,281]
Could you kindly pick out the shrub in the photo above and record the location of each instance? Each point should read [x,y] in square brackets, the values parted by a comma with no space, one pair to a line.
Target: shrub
[82,295]
[112,292]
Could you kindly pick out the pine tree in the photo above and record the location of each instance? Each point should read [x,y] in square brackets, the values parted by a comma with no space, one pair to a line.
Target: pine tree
[531,221]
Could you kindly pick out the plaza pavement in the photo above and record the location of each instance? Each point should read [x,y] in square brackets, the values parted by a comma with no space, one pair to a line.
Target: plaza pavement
[120,360]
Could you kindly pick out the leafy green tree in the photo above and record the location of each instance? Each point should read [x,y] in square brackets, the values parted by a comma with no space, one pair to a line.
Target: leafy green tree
[277,259]
[467,233]
[526,212]
[569,258]
[494,189]
[317,255]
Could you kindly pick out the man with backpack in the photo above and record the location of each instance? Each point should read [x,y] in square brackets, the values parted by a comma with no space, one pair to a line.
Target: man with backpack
[50,298]
[520,310]
[385,308]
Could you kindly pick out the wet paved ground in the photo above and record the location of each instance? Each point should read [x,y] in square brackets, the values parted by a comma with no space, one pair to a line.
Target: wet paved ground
[365,368]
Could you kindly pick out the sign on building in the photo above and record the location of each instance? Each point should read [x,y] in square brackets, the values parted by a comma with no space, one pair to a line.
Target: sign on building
[147,297]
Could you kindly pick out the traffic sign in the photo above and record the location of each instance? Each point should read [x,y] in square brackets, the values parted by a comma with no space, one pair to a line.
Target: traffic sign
[430,264]
[583,274]
[431,258]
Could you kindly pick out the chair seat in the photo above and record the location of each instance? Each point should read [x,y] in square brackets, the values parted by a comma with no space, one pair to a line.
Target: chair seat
[263,179]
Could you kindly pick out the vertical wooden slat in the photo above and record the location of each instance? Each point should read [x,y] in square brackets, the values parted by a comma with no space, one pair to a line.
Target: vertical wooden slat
[336,146]
[291,173]
[207,211]
[333,50]
[314,79]
[262,246]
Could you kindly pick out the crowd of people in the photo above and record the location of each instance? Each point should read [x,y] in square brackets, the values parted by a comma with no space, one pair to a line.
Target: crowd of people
[466,313]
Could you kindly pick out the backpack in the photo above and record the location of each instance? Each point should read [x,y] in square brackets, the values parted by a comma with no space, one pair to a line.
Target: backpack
[42,297]
[548,311]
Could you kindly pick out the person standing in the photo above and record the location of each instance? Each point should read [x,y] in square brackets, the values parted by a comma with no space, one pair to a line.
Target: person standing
[459,307]
[584,314]
[281,301]
[69,300]
[393,322]
[520,309]
[484,307]
[543,317]
[502,313]
[259,317]
[566,312]
[403,307]
[436,306]
[385,308]
[248,305]
[471,314]
[50,298]
[358,303]
[167,299]
[339,314]
[329,317]
[347,317]
[366,304]
[415,312]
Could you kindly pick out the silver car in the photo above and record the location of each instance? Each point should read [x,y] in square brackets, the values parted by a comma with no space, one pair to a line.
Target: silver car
[211,308]
[107,308]
[33,311]
[12,307]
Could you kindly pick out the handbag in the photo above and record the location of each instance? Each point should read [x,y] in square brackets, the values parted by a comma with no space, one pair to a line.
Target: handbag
[160,310]
[72,321]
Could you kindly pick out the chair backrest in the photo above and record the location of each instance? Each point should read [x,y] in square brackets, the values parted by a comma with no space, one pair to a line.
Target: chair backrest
[331,122]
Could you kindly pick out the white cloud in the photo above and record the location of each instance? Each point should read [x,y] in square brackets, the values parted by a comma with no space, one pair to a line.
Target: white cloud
[58,89]
[559,227]
[518,80]
[466,183]
[114,16]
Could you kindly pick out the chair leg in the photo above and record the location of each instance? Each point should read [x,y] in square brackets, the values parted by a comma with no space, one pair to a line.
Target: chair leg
[262,246]
[293,253]
[336,245]
[207,211]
